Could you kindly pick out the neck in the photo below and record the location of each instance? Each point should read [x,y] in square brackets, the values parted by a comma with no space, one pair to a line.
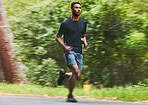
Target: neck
[75,18]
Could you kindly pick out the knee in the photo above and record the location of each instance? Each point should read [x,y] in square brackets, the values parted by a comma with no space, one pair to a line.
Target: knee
[78,78]
[75,71]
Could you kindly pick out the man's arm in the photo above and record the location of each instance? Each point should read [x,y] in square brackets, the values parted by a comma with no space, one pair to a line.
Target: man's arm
[84,40]
[59,40]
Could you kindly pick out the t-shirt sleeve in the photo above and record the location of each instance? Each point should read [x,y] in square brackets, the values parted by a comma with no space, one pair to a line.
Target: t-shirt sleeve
[61,29]
[85,26]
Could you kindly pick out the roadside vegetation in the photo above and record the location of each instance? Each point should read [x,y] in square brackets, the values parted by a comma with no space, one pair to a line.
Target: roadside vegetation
[127,93]
[117,34]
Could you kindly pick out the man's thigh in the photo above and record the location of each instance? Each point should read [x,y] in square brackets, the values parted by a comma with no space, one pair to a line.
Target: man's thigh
[79,60]
[73,58]
[70,58]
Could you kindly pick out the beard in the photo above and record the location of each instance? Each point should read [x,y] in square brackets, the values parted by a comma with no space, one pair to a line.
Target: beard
[76,14]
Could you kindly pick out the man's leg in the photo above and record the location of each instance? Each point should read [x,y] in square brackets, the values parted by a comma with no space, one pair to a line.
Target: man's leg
[76,73]
[67,75]
[79,74]
[64,75]
[73,77]
[61,76]
[74,61]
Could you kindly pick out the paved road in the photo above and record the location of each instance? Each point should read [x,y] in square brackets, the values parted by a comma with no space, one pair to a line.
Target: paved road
[21,100]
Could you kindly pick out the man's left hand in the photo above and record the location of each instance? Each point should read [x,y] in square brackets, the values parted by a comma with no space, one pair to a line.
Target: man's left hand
[85,42]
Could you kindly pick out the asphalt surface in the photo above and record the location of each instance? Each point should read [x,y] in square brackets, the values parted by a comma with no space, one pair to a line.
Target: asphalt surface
[21,100]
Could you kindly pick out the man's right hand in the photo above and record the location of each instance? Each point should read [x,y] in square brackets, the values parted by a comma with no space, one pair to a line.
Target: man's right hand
[68,48]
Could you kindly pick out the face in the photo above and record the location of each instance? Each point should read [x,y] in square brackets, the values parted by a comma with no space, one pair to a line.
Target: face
[76,10]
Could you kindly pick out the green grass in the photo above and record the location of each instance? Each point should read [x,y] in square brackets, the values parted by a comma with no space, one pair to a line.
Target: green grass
[31,89]
[128,93]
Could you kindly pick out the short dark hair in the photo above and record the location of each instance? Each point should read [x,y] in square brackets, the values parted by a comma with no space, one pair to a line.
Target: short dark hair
[73,3]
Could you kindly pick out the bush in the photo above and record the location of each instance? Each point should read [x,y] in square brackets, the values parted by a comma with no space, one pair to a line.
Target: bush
[44,74]
[143,83]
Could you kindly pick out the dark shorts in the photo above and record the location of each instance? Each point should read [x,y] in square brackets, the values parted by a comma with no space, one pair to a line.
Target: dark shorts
[73,58]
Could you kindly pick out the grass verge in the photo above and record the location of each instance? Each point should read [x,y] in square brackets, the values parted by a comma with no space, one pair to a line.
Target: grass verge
[128,93]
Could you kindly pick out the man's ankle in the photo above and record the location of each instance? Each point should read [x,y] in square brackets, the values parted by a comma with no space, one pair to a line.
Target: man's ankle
[70,94]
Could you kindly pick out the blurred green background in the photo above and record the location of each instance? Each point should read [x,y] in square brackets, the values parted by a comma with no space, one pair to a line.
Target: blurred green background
[117,35]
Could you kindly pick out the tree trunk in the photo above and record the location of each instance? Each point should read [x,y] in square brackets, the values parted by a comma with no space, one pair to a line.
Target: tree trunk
[9,67]
[2,78]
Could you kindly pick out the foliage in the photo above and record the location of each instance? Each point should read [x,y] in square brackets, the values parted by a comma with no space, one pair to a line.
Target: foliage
[115,56]
[143,83]
[15,8]
[116,33]
[43,74]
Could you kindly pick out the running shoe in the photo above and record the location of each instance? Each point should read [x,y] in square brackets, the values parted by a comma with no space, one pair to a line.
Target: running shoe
[61,77]
[71,99]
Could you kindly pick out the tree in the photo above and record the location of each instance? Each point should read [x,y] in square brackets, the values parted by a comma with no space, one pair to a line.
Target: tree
[116,33]
[9,66]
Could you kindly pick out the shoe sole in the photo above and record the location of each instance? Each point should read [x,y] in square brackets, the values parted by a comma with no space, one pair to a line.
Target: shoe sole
[72,101]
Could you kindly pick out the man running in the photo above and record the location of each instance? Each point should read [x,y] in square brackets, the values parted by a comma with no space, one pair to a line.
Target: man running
[74,31]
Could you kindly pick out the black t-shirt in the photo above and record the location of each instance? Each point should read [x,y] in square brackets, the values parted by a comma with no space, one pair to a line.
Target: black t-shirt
[73,31]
